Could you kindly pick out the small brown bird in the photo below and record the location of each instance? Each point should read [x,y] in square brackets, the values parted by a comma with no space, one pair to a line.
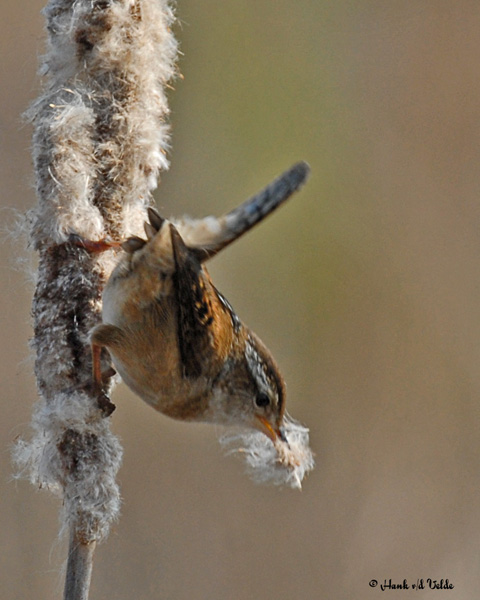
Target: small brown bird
[175,339]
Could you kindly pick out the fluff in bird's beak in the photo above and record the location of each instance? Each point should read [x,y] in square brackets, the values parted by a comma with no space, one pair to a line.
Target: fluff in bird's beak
[279,455]
[273,433]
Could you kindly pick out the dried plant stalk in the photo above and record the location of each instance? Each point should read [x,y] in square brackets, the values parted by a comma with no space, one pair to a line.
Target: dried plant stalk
[99,142]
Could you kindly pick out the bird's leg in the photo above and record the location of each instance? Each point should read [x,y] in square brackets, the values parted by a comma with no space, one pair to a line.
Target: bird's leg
[99,379]
[103,336]
[92,246]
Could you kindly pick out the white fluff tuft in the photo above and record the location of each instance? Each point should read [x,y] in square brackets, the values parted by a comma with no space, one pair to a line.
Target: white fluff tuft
[101,134]
[100,140]
[278,463]
[74,455]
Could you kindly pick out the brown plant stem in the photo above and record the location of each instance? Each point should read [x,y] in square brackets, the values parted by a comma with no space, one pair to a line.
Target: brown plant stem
[99,143]
[79,569]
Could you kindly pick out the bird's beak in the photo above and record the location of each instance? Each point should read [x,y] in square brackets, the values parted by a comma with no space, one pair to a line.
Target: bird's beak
[274,433]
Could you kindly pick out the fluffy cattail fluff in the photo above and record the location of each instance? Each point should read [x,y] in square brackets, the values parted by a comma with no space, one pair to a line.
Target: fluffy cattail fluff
[280,463]
[98,145]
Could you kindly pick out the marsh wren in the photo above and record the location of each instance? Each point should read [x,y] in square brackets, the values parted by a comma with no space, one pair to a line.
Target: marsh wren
[175,339]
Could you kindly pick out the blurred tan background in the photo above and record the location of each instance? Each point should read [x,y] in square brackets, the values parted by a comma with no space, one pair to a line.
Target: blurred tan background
[366,286]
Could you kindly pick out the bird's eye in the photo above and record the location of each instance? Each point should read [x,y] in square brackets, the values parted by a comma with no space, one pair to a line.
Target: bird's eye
[262,399]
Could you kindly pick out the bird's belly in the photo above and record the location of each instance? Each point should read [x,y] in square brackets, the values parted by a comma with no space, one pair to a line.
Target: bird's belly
[158,379]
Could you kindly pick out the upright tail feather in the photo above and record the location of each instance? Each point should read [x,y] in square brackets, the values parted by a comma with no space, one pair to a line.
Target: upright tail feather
[234,224]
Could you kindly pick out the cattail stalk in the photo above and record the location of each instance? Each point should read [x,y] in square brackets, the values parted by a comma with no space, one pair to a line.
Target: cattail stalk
[99,142]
